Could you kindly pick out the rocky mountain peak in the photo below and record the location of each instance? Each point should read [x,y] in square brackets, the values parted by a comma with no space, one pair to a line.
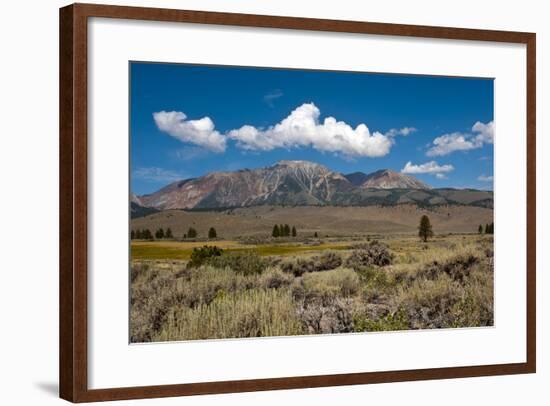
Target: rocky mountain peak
[388,179]
[288,182]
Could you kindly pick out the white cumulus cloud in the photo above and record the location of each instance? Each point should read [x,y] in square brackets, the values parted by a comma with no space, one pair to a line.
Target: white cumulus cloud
[484,178]
[485,132]
[199,132]
[431,167]
[302,128]
[445,144]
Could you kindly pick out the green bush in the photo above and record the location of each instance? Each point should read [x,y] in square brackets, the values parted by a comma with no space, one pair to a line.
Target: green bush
[243,262]
[201,255]
[390,322]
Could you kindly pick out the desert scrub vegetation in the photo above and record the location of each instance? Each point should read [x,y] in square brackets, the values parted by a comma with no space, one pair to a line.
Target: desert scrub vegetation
[299,266]
[397,283]
[373,253]
[246,262]
[249,313]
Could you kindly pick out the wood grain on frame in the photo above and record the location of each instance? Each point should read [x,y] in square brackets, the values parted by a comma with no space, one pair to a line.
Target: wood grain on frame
[73,362]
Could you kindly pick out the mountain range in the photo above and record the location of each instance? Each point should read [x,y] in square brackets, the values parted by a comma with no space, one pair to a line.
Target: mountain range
[301,183]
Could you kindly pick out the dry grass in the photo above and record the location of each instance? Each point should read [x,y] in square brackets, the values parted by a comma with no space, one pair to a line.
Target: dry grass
[445,283]
[248,313]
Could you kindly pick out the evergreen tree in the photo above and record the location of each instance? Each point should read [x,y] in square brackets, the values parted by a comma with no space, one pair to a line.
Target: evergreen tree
[425,229]
[316,235]
[275,233]
[159,235]
[192,233]
[486,228]
[212,233]
[492,228]
[286,230]
[168,233]
[480,229]
[147,235]
[294,231]
[132,235]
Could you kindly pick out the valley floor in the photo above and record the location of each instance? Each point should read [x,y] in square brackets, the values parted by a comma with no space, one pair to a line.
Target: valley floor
[324,220]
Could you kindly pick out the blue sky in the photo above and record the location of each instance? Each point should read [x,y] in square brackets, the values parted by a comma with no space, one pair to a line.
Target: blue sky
[187,120]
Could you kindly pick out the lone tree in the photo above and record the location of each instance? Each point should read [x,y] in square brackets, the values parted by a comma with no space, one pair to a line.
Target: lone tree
[168,233]
[425,229]
[212,233]
[480,229]
[275,233]
[191,233]
[294,231]
[316,235]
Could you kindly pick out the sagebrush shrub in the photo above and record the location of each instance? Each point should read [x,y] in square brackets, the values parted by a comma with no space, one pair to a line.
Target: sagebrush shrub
[330,284]
[332,316]
[298,267]
[457,268]
[274,278]
[371,254]
[242,262]
[250,313]
[325,262]
[394,321]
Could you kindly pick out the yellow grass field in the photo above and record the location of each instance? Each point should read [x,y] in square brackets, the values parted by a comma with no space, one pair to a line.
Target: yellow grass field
[182,250]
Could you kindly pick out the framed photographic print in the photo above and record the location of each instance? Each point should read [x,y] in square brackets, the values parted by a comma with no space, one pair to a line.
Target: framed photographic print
[255,203]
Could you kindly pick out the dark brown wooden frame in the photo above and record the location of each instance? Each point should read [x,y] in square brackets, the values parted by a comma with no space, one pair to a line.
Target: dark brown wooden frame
[73,361]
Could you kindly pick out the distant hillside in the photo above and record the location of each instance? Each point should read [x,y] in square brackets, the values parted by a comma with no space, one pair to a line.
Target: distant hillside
[137,209]
[325,220]
[304,183]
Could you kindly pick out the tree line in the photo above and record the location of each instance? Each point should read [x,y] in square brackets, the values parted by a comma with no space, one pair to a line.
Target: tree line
[489,229]
[425,230]
[283,230]
[167,234]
